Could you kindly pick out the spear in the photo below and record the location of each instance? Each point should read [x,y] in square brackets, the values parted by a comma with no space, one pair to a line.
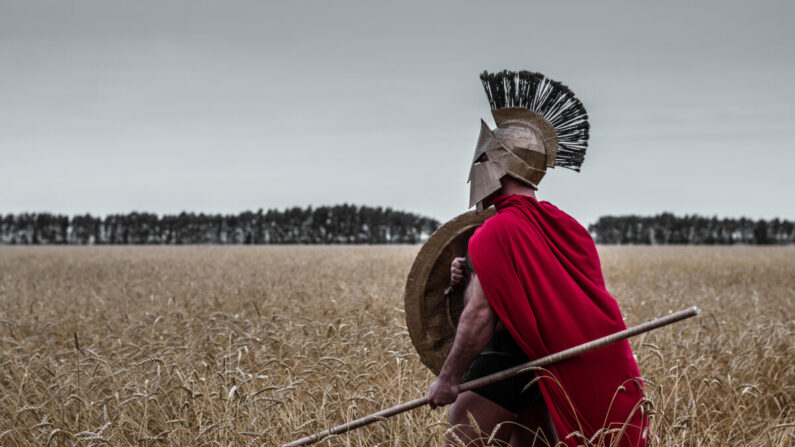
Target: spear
[502,375]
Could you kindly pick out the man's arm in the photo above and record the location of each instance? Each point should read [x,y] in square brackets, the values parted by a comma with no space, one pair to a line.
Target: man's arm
[475,329]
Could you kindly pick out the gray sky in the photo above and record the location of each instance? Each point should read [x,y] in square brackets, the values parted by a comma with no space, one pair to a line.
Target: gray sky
[111,106]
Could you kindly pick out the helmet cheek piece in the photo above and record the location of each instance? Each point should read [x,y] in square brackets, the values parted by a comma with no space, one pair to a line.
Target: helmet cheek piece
[484,181]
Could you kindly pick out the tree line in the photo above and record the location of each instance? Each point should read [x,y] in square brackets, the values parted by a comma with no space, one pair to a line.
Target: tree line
[349,224]
[340,224]
[667,228]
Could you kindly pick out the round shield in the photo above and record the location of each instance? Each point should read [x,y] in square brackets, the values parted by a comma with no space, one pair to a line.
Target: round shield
[432,305]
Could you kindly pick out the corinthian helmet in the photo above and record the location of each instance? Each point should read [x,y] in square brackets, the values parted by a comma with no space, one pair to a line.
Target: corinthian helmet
[540,124]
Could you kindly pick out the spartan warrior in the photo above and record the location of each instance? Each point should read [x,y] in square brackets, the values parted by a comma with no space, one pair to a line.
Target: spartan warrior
[530,285]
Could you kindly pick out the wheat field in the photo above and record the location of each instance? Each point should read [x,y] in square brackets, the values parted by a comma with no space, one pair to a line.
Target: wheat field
[237,346]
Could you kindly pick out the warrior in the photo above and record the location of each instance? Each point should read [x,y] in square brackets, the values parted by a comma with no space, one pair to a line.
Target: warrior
[535,287]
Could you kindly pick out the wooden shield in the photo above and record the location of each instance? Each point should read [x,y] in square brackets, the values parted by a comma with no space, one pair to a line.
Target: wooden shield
[432,307]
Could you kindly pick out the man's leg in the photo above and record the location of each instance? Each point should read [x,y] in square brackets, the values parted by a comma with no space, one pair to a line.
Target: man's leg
[487,414]
[535,420]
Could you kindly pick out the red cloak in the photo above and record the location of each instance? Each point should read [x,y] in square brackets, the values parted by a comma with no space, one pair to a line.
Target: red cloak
[541,274]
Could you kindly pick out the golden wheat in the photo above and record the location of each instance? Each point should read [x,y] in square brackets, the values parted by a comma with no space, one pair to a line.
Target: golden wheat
[261,345]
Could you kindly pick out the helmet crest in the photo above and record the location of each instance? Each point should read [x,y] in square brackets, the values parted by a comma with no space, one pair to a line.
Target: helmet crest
[549,98]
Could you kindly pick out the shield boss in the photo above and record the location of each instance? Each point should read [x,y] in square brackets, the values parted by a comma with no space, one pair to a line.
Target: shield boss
[432,307]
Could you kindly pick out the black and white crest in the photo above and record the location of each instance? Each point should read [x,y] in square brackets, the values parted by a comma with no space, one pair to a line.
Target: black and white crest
[550,99]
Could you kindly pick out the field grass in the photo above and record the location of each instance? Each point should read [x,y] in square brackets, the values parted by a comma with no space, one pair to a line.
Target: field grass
[261,345]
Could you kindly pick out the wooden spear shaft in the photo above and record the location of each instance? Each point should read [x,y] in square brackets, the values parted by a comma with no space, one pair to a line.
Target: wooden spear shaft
[504,374]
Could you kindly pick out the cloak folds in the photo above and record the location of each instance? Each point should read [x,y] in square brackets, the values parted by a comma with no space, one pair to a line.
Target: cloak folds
[541,274]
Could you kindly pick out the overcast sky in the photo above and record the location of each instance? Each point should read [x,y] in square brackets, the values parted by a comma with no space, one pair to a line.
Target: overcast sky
[163,106]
